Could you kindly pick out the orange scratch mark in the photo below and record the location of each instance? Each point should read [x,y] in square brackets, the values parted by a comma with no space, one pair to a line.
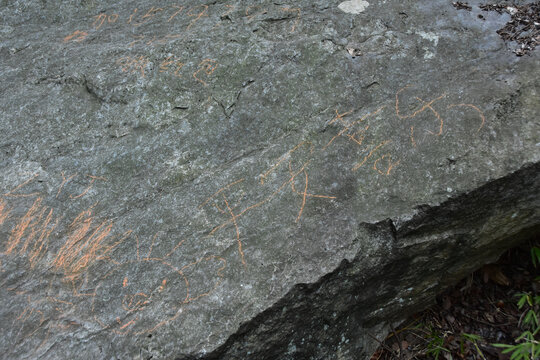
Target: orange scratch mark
[197,16]
[10,193]
[233,218]
[391,165]
[4,212]
[40,246]
[174,249]
[148,16]
[415,113]
[127,324]
[219,272]
[299,14]
[441,122]
[100,19]
[77,36]
[412,137]
[137,240]
[347,127]
[180,8]
[151,247]
[475,108]
[86,243]
[131,16]
[220,190]
[225,15]
[231,9]
[164,66]
[64,181]
[255,7]
[138,38]
[131,64]
[304,194]
[303,198]
[209,66]
[262,202]
[366,158]
[340,116]
[94,178]
[283,158]
[18,231]
[162,286]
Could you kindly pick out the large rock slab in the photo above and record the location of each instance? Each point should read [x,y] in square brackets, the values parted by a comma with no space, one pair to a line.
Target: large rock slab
[269,180]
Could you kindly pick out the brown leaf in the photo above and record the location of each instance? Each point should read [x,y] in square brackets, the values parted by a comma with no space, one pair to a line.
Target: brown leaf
[494,273]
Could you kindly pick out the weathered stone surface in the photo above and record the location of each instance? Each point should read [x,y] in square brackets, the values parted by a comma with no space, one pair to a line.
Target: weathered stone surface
[269,180]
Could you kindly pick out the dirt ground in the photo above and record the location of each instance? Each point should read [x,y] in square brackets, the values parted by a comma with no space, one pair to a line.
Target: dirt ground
[468,318]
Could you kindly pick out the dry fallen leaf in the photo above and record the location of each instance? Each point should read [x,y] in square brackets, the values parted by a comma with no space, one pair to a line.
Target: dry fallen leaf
[494,273]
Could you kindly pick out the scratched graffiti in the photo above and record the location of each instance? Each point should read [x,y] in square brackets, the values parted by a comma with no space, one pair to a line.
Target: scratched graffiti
[187,17]
[185,20]
[154,283]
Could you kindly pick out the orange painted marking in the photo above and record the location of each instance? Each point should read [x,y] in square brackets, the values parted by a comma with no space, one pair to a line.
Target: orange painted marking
[209,66]
[174,249]
[412,137]
[233,218]
[415,113]
[197,16]
[348,127]
[125,282]
[219,273]
[151,246]
[475,108]
[150,14]
[220,190]
[138,38]
[164,66]
[340,117]
[180,8]
[256,7]
[127,324]
[304,194]
[303,198]
[18,231]
[111,19]
[231,9]
[77,36]
[86,243]
[262,202]
[283,158]
[131,16]
[162,286]
[94,178]
[64,181]
[391,165]
[11,193]
[441,121]
[298,16]
[366,158]
[100,19]
[4,212]
[132,64]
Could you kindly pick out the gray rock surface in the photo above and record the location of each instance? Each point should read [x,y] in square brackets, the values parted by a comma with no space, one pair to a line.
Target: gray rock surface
[251,180]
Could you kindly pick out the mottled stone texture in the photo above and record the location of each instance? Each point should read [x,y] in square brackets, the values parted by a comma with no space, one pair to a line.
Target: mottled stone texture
[251,180]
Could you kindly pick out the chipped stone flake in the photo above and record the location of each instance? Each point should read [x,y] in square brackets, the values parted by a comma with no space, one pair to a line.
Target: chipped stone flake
[353,6]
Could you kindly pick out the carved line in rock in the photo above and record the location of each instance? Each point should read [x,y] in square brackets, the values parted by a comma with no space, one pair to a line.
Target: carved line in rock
[192,15]
[89,241]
